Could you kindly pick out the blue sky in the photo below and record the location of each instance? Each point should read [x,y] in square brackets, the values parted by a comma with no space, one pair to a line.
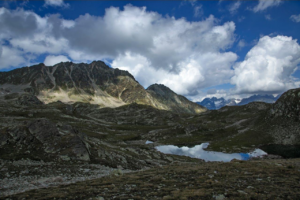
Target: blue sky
[197,48]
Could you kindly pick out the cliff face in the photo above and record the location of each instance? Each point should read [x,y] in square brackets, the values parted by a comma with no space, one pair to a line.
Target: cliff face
[94,83]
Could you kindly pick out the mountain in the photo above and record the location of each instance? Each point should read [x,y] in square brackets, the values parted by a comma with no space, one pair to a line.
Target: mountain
[217,103]
[77,122]
[169,100]
[259,98]
[57,143]
[94,83]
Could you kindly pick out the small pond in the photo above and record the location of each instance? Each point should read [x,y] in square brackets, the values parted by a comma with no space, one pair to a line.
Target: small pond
[199,152]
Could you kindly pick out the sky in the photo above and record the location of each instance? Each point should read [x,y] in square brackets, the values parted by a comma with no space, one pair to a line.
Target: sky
[230,49]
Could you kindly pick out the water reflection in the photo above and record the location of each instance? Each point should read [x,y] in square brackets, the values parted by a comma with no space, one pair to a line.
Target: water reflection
[199,152]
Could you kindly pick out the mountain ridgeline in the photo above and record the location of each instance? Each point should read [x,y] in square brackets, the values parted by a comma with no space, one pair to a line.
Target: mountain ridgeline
[217,103]
[94,83]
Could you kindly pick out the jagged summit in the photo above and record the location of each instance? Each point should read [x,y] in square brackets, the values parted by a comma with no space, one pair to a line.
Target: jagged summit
[94,83]
[167,97]
[217,103]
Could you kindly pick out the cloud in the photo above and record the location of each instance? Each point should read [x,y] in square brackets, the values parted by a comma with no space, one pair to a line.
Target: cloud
[234,7]
[185,56]
[242,43]
[268,66]
[17,23]
[212,91]
[198,11]
[268,17]
[56,3]
[192,74]
[295,18]
[10,57]
[264,4]
[52,60]
[241,18]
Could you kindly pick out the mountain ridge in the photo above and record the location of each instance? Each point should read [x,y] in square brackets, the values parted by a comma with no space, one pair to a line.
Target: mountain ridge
[215,103]
[94,83]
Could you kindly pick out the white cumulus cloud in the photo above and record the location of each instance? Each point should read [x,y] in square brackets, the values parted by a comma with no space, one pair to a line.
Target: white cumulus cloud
[154,48]
[268,66]
[10,57]
[52,60]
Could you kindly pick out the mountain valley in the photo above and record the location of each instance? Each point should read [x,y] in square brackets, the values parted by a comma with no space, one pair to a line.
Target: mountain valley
[83,129]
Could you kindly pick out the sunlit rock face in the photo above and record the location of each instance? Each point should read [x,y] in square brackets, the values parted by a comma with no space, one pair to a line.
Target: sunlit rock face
[94,83]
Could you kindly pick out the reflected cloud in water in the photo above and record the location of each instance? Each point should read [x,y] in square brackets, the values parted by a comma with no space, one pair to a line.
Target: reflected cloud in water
[199,152]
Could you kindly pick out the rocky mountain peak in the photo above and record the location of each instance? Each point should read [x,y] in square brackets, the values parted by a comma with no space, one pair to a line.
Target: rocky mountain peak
[160,89]
[172,100]
[94,83]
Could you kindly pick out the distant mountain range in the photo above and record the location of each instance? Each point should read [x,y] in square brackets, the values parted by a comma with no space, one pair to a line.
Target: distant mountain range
[217,103]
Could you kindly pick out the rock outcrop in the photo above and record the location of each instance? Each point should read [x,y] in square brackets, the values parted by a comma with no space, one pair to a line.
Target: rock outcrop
[284,116]
[287,106]
[42,140]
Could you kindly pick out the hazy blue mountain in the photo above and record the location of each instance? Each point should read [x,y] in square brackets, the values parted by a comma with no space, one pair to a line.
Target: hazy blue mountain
[217,103]
[259,98]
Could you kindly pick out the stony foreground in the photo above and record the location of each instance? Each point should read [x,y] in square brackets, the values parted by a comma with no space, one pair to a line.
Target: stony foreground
[256,179]
[23,175]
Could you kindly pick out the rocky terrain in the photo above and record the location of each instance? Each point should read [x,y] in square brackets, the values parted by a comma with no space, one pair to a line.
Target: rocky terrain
[45,141]
[268,179]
